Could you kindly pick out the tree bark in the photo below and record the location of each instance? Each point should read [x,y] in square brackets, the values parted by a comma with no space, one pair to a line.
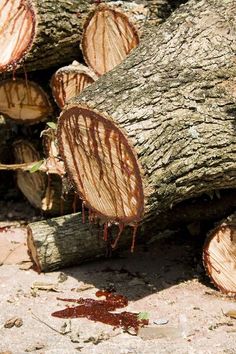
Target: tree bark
[139,146]
[66,240]
[219,255]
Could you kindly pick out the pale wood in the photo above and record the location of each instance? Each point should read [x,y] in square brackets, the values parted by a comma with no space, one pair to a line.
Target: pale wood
[24,101]
[18,25]
[108,38]
[219,255]
[69,81]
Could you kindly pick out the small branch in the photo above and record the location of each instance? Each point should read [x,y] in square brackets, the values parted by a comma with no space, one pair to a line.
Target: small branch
[50,165]
[46,324]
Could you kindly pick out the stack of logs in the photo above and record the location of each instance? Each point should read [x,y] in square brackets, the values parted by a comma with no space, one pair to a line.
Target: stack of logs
[149,143]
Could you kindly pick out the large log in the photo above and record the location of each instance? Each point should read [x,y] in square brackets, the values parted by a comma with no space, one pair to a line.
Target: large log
[68,240]
[138,146]
[219,255]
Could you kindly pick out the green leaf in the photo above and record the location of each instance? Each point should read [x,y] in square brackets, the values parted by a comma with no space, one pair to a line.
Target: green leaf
[36,166]
[143,316]
[52,125]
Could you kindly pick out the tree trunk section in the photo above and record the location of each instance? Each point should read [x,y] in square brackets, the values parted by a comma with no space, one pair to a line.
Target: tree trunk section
[107,39]
[219,255]
[167,133]
[24,101]
[69,81]
[71,239]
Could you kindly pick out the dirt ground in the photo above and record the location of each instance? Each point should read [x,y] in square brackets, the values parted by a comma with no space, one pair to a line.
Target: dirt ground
[163,278]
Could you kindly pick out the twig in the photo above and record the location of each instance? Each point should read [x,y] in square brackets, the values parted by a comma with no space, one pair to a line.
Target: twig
[46,324]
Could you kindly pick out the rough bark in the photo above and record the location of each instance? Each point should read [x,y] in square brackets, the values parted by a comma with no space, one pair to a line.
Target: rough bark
[219,255]
[64,241]
[24,101]
[168,132]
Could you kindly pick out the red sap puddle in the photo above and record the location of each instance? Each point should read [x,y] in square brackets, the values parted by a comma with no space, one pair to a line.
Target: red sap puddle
[98,310]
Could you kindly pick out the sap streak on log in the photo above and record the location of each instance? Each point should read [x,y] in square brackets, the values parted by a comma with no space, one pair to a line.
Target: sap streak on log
[24,101]
[108,38]
[69,81]
[167,133]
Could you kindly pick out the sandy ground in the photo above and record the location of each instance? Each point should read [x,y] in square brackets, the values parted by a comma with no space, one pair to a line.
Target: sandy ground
[164,278]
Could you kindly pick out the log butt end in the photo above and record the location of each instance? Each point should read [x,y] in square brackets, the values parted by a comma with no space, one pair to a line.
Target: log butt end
[18,24]
[219,257]
[101,163]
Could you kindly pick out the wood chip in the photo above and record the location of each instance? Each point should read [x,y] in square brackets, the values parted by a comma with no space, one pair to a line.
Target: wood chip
[45,286]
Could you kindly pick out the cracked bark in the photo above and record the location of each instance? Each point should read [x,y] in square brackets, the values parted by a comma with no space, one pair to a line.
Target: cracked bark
[176,111]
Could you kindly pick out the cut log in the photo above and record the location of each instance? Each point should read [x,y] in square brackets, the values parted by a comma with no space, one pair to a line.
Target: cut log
[70,81]
[68,240]
[139,146]
[219,255]
[43,191]
[24,101]
[32,185]
[107,39]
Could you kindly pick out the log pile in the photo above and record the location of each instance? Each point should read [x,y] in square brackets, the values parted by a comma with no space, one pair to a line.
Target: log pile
[147,123]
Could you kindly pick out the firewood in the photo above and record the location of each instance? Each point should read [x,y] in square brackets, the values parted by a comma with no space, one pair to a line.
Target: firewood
[72,239]
[219,255]
[24,101]
[108,38]
[138,147]
[69,81]
[42,190]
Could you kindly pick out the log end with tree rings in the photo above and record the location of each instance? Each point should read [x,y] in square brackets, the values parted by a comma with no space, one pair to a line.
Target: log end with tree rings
[17,32]
[69,81]
[219,256]
[101,163]
[24,101]
[108,38]
[32,185]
